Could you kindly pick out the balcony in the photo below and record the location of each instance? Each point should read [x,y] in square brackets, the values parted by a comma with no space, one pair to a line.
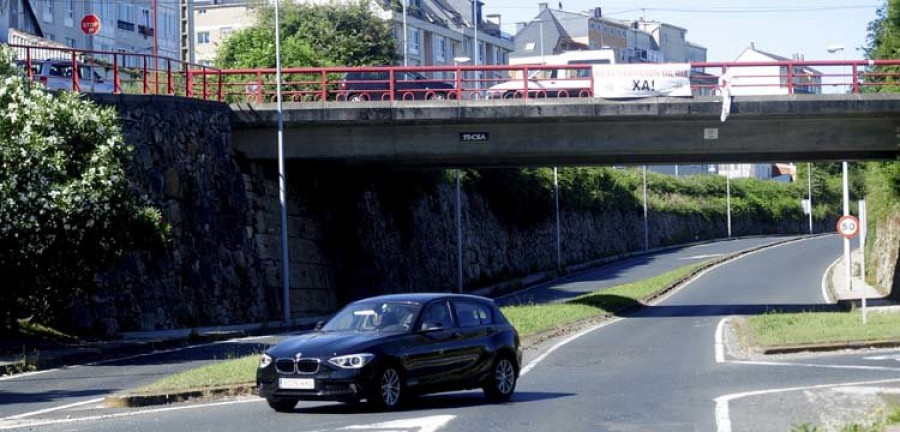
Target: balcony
[125,25]
[145,30]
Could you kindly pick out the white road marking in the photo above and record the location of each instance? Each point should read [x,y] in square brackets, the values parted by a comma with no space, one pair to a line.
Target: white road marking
[825,282]
[723,418]
[560,344]
[36,423]
[44,411]
[26,374]
[696,257]
[895,357]
[423,424]
[720,340]
[813,365]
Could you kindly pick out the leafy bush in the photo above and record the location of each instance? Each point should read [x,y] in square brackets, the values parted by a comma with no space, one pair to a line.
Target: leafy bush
[66,208]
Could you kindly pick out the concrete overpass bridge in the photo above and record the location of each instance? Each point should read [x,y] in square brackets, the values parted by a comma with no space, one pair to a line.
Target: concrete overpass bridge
[575,131]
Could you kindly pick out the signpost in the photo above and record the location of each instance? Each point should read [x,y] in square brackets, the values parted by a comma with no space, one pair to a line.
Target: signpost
[848,226]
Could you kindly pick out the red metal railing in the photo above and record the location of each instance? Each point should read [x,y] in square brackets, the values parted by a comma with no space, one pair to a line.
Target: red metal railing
[117,72]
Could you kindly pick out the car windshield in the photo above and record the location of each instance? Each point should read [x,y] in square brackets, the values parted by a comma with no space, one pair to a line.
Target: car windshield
[374,317]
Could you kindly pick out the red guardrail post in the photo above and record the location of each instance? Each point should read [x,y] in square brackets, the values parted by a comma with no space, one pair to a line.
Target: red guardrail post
[171,89]
[790,78]
[259,89]
[324,86]
[146,82]
[117,82]
[458,76]
[189,82]
[525,82]
[391,84]
[221,88]
[75,85]
[205,87]
[855,79]
[28,64]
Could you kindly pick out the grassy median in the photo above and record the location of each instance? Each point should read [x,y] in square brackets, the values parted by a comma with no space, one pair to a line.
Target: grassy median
[528,319]
[787,329]
[241,370]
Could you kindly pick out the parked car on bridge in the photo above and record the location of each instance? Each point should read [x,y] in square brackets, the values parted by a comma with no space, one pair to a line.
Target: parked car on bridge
[375,85]
[57,75]
[388,348]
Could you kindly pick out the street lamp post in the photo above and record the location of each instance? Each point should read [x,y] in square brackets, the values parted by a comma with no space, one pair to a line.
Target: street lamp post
[282,194]
[835,48]
[405,35]
[809,194]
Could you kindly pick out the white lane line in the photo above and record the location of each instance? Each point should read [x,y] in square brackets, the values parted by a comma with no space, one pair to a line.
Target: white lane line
[26,374]
[696,257]
[720,340]
[894,357]
[44,411]
[825,283]
[36,423]
[723,418]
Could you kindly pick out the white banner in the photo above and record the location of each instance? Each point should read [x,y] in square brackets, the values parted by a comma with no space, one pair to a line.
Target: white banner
[642,80]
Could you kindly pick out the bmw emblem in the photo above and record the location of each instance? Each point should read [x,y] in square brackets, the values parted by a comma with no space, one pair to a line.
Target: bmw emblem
[298,355]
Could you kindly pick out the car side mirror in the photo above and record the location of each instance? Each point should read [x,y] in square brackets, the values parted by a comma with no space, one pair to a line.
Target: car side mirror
[319,325]
[428,327]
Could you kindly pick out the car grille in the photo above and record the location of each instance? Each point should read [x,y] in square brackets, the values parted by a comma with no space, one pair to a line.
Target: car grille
[307,366]
[303,366]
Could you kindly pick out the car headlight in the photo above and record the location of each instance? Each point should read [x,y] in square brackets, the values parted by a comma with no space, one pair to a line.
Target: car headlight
[264,361]
[352,361]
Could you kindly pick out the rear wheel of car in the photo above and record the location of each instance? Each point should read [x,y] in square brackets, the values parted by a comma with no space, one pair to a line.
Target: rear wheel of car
[285,404]
[436,96]
[357,98]
[388,390]
[501,384]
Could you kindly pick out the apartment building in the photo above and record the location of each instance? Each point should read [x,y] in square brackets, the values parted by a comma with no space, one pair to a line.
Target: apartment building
[129,26]
[437,31]
[772,80]
[214,21]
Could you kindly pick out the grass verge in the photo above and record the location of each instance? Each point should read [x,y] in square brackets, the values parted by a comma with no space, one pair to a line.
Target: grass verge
[786,329]
[241,370]
[536,318]
[882,420]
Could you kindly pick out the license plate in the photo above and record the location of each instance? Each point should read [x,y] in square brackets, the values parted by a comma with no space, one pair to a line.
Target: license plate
[297,383]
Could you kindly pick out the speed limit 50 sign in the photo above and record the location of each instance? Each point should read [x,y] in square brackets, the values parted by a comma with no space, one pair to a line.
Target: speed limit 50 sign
[848,226]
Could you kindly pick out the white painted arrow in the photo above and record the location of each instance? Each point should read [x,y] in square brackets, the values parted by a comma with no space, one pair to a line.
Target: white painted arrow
[422,424]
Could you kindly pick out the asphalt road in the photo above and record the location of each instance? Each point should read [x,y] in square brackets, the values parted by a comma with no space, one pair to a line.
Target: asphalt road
[659,369]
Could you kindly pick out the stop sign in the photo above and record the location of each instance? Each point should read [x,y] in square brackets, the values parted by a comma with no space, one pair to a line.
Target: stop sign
[90,24]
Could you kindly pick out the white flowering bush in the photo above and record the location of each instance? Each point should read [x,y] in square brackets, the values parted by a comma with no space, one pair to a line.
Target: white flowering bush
[66,208]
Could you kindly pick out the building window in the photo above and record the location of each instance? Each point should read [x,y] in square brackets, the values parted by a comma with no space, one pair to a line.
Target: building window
[202,38]
[50,36]
[467,43]
[145,18]
[70,42]
[498,56]
[481,49]
[452,50]
[70,13]
[440,48]
[414,41]
[126,12]
[48,11]
[224,32]
[529,46]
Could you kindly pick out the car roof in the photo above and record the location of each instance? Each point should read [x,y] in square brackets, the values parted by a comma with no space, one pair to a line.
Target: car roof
[421,297]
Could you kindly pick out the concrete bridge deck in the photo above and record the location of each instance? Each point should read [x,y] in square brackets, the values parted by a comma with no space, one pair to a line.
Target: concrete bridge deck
[576,131]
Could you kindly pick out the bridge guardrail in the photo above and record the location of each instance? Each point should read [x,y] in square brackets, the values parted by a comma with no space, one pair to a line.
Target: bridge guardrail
[116,72]
[137,73]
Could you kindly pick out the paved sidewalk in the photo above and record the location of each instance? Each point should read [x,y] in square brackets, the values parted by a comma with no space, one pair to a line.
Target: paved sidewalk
[841,292]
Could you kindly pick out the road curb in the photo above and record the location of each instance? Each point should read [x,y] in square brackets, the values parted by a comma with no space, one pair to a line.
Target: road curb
[835,346]
[136,400]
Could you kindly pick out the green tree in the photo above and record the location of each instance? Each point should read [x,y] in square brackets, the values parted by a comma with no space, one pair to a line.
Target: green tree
[66,207]
[333,34]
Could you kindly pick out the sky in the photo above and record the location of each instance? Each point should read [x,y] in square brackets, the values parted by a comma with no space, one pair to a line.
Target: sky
[726,27]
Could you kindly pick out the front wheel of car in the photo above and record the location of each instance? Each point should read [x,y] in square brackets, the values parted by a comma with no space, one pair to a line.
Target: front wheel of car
[437,96]
[388,390]
[501,384]
[286,404]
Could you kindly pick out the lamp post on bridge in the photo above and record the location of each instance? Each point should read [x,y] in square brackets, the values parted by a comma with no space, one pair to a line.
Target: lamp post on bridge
[282,192]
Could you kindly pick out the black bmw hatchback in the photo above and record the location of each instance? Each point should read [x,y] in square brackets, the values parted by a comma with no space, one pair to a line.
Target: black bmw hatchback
[388,348]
